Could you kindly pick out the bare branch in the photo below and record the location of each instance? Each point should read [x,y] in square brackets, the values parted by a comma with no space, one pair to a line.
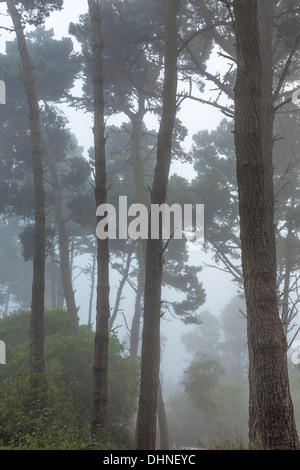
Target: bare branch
[227,111]
[286,69]
[197,33]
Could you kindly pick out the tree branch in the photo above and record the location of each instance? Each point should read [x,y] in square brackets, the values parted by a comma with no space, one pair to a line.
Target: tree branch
[286,69]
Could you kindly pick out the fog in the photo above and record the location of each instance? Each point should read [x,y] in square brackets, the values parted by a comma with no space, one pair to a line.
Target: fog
[215,329]
[195,117]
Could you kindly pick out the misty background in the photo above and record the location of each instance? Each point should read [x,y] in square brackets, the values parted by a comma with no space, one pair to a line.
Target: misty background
[222,307]
[195,116]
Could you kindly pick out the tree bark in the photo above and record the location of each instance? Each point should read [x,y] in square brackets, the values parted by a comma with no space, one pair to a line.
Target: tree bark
[265,25]
[271,409]
[100,397]
[38,285]
[150,359]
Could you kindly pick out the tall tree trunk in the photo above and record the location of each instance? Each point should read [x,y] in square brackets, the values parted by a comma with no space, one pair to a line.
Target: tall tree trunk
[63,238]
[140,196]
[93,268]
[265,25]
[99,416]
[53,277]
[150,359]
[38,285]
[271,409]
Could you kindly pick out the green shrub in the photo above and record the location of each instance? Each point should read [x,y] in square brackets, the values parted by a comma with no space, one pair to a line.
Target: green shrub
[63,422]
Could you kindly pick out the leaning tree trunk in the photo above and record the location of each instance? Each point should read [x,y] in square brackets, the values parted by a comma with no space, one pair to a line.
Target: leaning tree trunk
[271,411]
[150,358]
[100,378]
[38,285]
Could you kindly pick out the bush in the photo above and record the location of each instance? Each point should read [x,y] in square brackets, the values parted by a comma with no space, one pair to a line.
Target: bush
[63,422]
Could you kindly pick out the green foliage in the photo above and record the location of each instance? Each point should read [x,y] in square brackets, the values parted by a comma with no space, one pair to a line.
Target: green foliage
[123,383]
[26,238]
[69,363]
[288,29]
[200,381]
[55,65]
[216,187]
[55,69]
[132,56]
[53,427]
[35,11]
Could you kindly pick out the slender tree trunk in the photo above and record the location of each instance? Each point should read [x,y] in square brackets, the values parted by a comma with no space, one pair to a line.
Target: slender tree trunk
[150,359]
[162,419]
[271,409]
[38,284]
[136,321]
[140,198]
[138,172]
[286,315]
[119,292]
[286,285]
[93,268]
[7,300]
[53,277]
[63,238]
[99,416]
[60,300]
